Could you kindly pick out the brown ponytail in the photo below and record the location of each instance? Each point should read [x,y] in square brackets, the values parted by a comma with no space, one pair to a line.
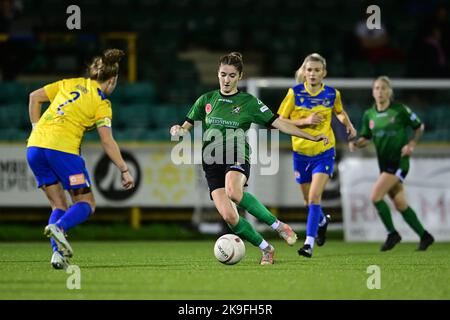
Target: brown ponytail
[106,66]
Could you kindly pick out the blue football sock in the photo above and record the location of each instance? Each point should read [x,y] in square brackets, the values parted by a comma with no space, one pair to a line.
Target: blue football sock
[55,216]
[322,215]
[314,216]
[78,213]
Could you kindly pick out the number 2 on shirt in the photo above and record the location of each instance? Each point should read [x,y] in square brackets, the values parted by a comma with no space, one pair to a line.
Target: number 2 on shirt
[76,95]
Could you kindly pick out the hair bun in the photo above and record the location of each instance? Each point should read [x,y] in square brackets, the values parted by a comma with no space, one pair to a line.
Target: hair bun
[112,56]
[236,54]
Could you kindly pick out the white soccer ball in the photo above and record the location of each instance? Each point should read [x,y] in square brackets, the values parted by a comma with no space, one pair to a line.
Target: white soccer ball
[229,249]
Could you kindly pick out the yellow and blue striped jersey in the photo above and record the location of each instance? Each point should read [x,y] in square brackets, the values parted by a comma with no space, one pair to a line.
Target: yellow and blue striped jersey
[300,103]
[76,105]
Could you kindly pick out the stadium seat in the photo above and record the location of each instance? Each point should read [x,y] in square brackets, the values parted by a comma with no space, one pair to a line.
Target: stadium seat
[11,92]
[130,93]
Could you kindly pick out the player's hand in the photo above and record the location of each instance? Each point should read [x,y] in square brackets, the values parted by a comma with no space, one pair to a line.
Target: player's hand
[313,119]
[177,130]
[351,132]
[352,146]
[407,150]
[322,137]
[127,180]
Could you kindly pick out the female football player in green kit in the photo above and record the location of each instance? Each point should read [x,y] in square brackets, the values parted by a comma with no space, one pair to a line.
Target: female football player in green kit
[226,115]
[386,123]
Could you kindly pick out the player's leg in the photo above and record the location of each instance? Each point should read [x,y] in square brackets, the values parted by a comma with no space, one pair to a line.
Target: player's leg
[215,176]
[319,180]
[239,225]
[58,202]
[385,182]
[234,187]
[48,182]
[397,194]
[324,219]
[72,174]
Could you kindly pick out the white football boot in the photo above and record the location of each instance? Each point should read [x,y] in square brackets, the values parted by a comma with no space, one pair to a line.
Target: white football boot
[58,261]
[52,231]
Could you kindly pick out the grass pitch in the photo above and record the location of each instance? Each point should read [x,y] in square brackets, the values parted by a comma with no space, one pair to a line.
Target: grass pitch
[189,271]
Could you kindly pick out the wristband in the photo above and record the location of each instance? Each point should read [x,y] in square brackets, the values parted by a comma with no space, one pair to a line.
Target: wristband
[124,171]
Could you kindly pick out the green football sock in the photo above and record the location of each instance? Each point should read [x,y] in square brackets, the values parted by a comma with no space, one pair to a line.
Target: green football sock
[385,215]
[257,209]
[246,231]
[411,218]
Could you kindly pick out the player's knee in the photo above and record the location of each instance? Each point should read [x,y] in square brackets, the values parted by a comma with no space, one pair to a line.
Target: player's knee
[231,218]
[234,194]
[93,206]
[314,198]
[60,206]
[400,205]
[374,197]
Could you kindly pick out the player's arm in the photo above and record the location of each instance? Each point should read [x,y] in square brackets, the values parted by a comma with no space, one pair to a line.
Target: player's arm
[345,120]
[178,130]
[312,120]
[408,149]
[288,105]
[112,150]
[342,116]
[37,98]
[292,130]
[358,143]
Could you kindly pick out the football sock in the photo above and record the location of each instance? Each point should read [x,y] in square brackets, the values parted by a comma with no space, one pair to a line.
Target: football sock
[257,209]
[275,225]
[310,240]
[55,216]
[264,245]
[78,213]
[411,219]
[322,216]
[312,224]
[246,231]
[385,215]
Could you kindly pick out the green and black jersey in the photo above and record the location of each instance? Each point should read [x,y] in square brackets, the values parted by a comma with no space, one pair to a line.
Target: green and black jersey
[226,119]
[388,129]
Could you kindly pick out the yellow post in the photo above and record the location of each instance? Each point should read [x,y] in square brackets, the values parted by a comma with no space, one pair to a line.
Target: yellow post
[4,37]
[135,217]
[130,37]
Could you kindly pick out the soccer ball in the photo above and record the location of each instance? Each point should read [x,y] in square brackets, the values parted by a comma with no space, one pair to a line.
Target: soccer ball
[229,249]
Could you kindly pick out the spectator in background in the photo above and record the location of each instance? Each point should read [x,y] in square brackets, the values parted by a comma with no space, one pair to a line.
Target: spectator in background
[9,10]
[430,54]
[11,53]
[374,44]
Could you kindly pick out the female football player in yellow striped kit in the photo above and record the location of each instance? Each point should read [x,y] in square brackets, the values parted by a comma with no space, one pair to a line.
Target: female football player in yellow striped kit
[53,150]
[310,105]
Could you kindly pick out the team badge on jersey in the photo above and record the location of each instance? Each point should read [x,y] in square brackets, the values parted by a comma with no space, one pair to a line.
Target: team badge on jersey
[326,102]
[208,108]
[236,110]
[371,124]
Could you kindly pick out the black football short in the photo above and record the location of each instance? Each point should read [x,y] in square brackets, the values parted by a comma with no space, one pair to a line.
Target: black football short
[215,173]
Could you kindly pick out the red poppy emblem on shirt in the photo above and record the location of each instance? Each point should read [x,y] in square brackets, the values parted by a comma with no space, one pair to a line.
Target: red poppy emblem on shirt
[208,108]
[371,124]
